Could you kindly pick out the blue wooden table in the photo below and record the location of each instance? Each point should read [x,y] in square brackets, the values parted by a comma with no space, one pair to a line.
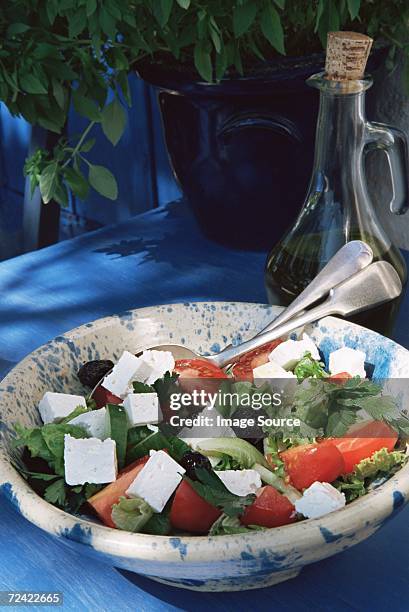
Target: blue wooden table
[162,257]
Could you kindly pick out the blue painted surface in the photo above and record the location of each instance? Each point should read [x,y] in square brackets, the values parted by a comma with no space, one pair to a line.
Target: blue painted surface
[161,257]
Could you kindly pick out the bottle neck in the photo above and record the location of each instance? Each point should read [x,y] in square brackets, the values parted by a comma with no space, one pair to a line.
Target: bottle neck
[340,135]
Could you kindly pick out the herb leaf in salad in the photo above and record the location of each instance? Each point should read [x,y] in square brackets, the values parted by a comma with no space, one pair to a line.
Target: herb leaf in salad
[209,486]
[307,367]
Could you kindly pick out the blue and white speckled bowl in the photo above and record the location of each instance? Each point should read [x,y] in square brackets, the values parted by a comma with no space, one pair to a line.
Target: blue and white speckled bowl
[221,563]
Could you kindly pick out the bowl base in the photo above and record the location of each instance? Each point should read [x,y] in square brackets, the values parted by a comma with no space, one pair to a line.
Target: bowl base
[236,583]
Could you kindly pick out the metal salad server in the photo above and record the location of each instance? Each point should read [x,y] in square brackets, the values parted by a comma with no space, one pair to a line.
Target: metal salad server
[374,285]
[353,257]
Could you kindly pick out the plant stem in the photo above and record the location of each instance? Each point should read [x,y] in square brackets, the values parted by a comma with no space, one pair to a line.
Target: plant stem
[79,143]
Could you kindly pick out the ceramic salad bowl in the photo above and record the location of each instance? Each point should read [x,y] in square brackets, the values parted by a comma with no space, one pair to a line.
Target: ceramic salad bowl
[218,563]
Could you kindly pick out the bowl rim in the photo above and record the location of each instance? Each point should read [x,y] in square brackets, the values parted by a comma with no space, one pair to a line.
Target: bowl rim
[310,534]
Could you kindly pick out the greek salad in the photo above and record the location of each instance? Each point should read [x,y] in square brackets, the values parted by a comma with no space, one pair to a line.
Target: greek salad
[110,455]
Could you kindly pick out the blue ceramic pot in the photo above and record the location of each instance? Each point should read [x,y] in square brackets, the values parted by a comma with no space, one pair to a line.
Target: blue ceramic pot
[242,149]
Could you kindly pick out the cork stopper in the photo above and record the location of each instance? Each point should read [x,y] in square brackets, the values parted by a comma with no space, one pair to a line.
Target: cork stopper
[347,54]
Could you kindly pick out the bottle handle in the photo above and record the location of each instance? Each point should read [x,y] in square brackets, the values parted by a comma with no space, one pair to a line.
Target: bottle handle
[395,144]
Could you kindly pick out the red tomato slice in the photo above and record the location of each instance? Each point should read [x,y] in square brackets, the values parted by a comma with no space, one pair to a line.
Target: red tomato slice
[365,441]
[270,509]
[190,370]
[190,512]
[198,368]
[310,462]
[103,501]
[103,397]
[243,369]
[339,379]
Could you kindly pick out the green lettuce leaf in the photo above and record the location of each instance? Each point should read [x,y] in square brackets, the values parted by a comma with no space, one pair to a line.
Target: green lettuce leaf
[382,464]
[131,514]
[227,525]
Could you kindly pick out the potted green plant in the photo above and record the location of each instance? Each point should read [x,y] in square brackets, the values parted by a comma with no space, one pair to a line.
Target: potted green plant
[227,61]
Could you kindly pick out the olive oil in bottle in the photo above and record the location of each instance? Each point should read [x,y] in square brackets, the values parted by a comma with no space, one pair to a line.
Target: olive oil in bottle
[337,207]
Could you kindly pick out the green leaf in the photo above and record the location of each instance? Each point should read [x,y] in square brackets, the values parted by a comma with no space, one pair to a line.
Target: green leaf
[280,3]
[228,525]
[183,3]
[166,9]
[154,441]
[31,84]
[307,367]
[103,181]
[54,434]
[272,28]
[131,514]
[17,28]
[140,387]
[158,524]
[243,17]
[382,464]
[242,451]
[48,182]
[211,489]
[203,61]
[76,182]
[55,492]
[113,121]
[87,145]
[58,92]
[354,8]
[77,22]
[124,85]
[86,107]
[91,7]
[77,412]
[32,439]
[117,429]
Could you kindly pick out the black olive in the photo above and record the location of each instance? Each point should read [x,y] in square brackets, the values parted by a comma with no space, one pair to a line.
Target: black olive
[192,460]
[93,371]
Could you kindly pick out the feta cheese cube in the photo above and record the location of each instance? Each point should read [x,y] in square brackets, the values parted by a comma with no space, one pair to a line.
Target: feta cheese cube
[288,353]
[270,370]
[56,406]
[240,482]
[310,347]
[157,480]
[154,365]
[89,460]
[319,499]
[347,360]
[142,409]
[119,380]
[94,422]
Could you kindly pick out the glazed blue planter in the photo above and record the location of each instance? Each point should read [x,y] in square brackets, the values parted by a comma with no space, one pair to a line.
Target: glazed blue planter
[242,149]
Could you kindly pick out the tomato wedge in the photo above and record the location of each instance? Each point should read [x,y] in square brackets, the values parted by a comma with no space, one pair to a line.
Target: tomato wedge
[190,512]
[310,462]
[198,368]
[270,509]
[190,370]
[339,379]
[243,369]
[103,397]
[365,441]
[103,501]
